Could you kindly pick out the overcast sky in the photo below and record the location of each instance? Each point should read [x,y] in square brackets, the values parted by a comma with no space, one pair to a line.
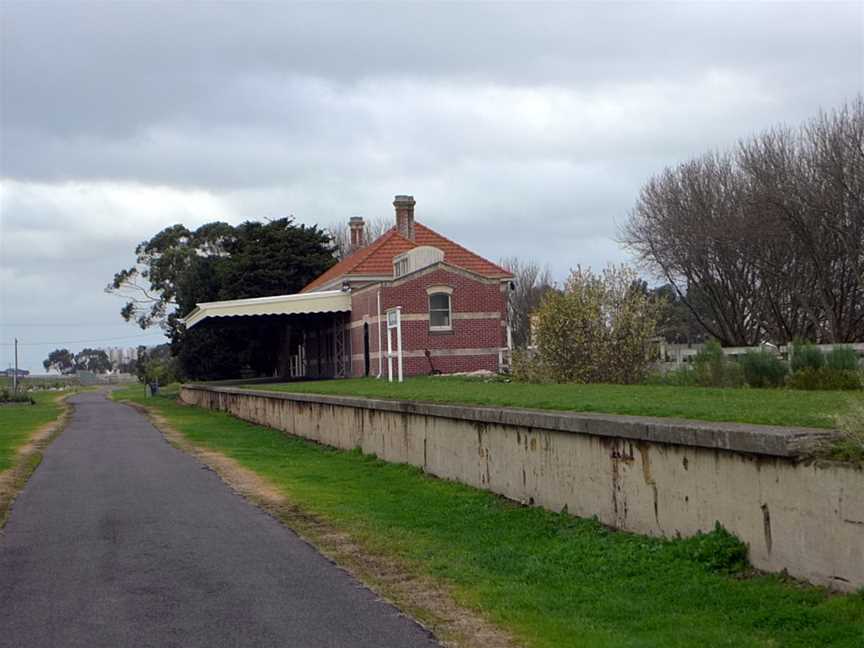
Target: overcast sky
[523,129]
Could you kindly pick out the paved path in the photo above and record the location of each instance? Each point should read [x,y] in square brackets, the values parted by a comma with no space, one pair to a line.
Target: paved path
[121,540]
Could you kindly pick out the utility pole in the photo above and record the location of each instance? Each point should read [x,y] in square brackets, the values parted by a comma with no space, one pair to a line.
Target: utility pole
[15,374]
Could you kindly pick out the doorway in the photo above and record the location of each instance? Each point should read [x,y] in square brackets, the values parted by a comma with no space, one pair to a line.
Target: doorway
[366,360]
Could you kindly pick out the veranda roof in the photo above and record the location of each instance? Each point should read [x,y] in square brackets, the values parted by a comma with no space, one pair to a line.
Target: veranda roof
[329,301]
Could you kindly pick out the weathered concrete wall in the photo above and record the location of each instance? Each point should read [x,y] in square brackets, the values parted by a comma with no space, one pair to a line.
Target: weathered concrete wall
[654,476]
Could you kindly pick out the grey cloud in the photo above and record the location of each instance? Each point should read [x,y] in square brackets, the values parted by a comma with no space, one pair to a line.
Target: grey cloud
[115,69]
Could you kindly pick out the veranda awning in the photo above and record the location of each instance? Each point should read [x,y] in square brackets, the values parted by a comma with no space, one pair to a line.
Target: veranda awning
[329,301]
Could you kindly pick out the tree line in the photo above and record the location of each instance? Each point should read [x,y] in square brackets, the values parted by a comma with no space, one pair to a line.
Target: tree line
[96,360]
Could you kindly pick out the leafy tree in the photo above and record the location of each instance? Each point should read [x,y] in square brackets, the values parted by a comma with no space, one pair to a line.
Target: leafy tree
[95,360]
[677,322]
[156,364]
[153,285]
[179,267]
[273,258]
[60,360]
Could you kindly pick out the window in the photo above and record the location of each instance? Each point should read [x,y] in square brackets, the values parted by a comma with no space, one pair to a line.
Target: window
[439,311]
[400,267]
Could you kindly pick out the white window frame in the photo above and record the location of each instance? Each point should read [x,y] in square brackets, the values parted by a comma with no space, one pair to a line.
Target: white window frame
[441,290]
[400,266]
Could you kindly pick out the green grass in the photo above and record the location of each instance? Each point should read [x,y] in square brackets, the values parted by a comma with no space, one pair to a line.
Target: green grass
[552,579]
[763,406]
[18,422]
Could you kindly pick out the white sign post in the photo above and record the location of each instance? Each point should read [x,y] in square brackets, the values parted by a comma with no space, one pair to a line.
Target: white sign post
[394,321]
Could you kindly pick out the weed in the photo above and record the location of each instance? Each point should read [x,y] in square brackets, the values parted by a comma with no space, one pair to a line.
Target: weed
[718,551]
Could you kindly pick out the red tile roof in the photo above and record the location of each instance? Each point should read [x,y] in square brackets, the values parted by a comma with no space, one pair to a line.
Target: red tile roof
[376,259]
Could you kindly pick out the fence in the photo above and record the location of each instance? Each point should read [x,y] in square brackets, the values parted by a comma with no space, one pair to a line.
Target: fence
[678,354]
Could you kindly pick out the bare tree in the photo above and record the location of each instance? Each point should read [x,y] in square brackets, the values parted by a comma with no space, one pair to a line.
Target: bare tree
[769,235]
[687,228]
[340,234]
[531,282]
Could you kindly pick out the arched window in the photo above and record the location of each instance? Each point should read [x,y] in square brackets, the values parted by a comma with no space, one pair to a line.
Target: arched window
[440,310]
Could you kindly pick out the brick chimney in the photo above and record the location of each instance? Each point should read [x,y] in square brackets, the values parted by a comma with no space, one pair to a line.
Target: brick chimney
[356,224]
[405,216]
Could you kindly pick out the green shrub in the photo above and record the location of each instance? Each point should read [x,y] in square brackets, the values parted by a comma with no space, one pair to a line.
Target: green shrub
[162,371]
[824,378]
[598,329]
[718,551]
[763,369]
[529,368]
[842,358]
[806,356]
[9,396]
[708,364]
[711,368]
[683,376]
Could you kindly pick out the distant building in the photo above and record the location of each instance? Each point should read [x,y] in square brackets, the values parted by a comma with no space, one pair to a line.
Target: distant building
[121,355]
[451,305]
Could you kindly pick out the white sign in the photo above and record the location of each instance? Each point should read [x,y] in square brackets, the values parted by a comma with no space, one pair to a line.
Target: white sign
[394,322]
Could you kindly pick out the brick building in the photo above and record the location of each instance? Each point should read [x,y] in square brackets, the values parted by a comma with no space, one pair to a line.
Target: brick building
[451,305]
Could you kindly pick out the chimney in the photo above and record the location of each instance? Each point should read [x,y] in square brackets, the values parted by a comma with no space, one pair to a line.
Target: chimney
[405,216]
[356,224]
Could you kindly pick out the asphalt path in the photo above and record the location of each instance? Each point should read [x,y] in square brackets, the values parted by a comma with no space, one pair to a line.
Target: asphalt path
[119,539]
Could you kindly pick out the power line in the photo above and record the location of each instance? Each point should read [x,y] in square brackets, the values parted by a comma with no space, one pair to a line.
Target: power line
[63,324]
[127,337]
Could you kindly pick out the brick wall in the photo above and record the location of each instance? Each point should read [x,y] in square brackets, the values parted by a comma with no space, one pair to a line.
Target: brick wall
[364,309]
[478,311]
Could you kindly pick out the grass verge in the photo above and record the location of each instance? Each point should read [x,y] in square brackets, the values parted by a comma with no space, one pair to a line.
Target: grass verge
[850,445]
[25,431]
[759,406]
[549,579]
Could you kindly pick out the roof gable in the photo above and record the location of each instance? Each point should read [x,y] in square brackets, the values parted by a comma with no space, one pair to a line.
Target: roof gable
[456,255]
[376,259]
